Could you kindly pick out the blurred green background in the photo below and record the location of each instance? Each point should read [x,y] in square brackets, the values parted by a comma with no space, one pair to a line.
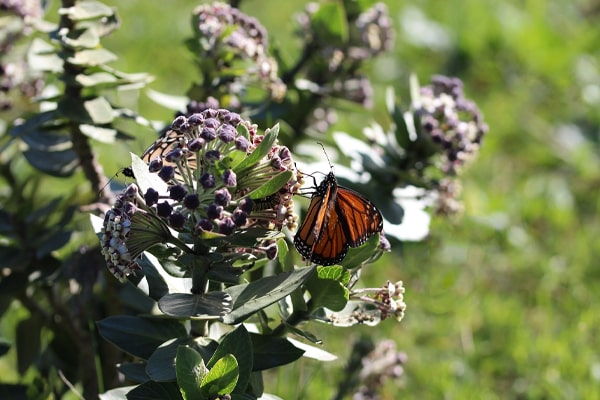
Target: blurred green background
[501,301]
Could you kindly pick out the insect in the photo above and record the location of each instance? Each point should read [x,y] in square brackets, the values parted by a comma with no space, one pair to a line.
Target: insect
[167,142]
[337,218]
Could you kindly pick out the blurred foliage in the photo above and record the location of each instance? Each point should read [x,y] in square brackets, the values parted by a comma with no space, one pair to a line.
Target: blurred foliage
[501,300]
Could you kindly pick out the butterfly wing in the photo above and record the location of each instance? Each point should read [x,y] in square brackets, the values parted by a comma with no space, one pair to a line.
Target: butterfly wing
[337,218]
[359,216]
[163,145]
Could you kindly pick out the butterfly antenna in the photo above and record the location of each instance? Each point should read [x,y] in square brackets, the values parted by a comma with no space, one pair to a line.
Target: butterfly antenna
[326,156]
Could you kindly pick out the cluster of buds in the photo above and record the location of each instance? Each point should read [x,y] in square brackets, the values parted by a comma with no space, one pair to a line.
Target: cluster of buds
[227,35]
[452,122]
[218,177]
[370,306]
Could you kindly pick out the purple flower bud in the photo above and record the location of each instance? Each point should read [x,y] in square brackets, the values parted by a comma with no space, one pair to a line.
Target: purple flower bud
[176,220]
[177,192]
[155,165]
[151,197]
[233,119]
[212,156]
[166,173]
[204,225]
[214,211]
[191,201]
[196,144]
[164,209]
[180,124]
[174,155]
[207,180]
[208,134]
[285,154]
[246,204]
[222,197]
[226,226]
[210,112]
[229,178]
[227,133]
[276,162]
[195,119]
[211,123]
[239,217]
[242,144]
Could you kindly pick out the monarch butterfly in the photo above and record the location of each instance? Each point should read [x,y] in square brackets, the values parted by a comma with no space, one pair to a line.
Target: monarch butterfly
[167,142]
[160,148]
[337,218]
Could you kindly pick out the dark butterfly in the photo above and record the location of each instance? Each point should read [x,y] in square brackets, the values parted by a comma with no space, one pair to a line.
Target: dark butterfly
[337,218]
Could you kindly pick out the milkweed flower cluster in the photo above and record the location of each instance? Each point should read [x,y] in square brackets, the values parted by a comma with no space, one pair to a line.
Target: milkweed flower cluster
[218,177]
[370,306]
[452,122]
[381,364]
[226,36]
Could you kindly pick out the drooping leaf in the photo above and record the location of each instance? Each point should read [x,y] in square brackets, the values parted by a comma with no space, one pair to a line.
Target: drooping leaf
[254,296]
[271,352]
[211,305]
[139,336]
[56,163]
[134,371]
[155,391]
[103,135]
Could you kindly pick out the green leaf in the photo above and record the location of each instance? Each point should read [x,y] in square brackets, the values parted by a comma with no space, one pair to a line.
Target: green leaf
[56,163]
[176,103]
[190,371]
[155,391]
[42,57]
[239,344]
[260,152]
[91,58]
[271,186]
[28,342]
[212,305]
[87,10]
[103,135]
[327,293]
[134,371]
[358,256]
[254,296]
[139,336]
[271,352]
[222,377]
[161,364]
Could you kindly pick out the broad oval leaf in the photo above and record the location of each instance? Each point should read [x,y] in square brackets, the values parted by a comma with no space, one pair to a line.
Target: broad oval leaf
[222,377]
[56,163]
[271,352]
[212,305]
[139,336]
[252,297]
[271,186]
[155,391]
[239,344]
[134,371]
[190,370]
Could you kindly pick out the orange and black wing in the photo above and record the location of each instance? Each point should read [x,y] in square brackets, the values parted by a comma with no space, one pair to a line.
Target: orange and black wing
[167,142]
[337,218]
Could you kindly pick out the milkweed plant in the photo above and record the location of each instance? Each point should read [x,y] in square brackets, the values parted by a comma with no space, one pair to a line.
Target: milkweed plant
[209,290]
